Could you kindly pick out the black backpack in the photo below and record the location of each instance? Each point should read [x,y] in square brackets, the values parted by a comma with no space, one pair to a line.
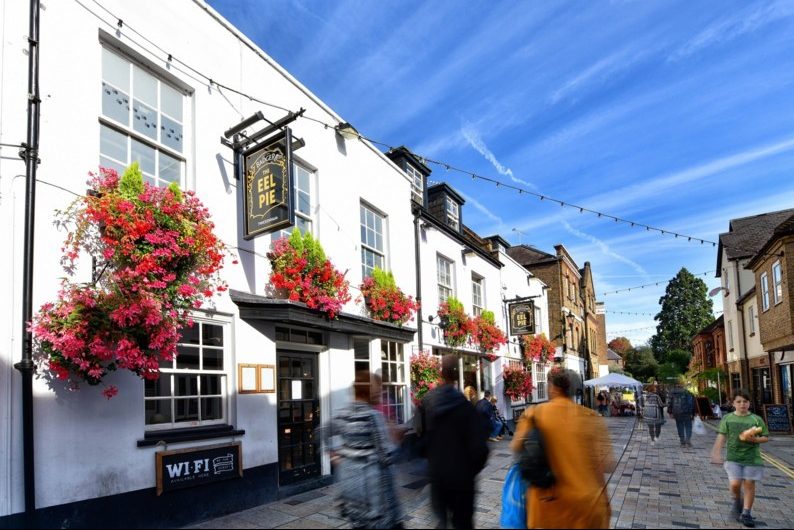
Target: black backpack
[532,461]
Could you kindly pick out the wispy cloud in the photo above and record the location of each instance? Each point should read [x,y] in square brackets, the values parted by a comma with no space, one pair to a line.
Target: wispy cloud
[604,248]
[472,136]
[734,26]
[600,71]
[482,209]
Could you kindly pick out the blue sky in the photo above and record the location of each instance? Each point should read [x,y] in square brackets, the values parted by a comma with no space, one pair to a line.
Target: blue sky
[675,114]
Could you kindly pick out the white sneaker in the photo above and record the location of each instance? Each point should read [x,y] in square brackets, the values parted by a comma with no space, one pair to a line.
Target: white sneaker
[653,442]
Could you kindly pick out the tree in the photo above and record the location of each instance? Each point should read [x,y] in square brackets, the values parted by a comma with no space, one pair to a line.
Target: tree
[641,363]
[620,345]
[686,309]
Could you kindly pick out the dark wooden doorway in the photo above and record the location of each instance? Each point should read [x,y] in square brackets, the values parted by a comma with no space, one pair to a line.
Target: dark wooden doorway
[298,416]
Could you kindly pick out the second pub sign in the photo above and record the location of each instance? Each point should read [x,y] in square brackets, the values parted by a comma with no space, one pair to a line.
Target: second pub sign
[268,186]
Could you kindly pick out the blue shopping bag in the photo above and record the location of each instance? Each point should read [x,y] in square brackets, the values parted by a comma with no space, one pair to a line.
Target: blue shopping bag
[514,500]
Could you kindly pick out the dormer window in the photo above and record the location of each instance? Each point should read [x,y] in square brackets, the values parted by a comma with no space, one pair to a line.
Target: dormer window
[417,184]
[453,214]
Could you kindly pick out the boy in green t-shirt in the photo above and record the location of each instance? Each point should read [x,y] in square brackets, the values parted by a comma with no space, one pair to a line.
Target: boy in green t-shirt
[743,463]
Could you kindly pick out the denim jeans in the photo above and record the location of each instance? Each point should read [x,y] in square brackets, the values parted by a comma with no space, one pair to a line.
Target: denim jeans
[497,428]
[684,425]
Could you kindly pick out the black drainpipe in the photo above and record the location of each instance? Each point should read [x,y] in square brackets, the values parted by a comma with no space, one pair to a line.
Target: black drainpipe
[30,153]
[418,276]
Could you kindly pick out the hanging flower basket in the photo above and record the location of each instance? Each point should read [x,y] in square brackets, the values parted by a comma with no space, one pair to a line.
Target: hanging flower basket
[425,374]
[487,335]
[518,382]
[538,348]
[157,258]
[385,301]
[300,272]
[455,323]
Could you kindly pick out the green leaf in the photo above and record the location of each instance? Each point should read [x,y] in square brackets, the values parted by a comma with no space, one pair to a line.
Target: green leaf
[131,182]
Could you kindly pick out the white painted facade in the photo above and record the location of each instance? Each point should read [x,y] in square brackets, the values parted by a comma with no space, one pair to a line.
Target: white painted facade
[92,438]
[739,335]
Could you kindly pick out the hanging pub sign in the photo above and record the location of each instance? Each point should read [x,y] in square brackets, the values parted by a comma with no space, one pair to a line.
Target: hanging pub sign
[522,318]
[185,468]
[267,169]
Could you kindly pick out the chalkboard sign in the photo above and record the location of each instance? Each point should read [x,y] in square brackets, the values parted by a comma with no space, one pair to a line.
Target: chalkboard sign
[777,418]
[703,406]
[199,465]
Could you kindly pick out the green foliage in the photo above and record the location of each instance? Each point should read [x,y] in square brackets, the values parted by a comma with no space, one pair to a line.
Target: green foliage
[620,345]
[384,279]
[488,316]
[711,393]
[680,358]
[454,304]
[174,188]
[615,369]
[669,373]
[131,182]
[641,363]
[711,375]
[686,309]
[315,255]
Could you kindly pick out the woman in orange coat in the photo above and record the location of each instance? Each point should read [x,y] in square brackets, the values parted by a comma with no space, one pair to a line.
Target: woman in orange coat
[578,449]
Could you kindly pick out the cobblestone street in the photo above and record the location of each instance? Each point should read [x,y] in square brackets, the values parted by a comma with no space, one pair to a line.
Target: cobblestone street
[661,486]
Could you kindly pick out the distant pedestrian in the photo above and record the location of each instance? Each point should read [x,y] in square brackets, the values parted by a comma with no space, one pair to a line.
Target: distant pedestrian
[743,431]
[505,429]
[653,412]
[487,410]
[363,460]
[470,393]
[577,446]
[602,405]
[682,407]
[457,449]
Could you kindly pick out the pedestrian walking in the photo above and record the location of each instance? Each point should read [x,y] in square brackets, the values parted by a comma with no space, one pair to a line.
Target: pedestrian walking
[363,461]
[577,446]
[457,449]
[682,407]
[504,429]
[743,431]
[488,411]
[653,412]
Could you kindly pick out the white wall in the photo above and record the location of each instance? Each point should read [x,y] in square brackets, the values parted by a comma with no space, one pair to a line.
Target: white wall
[94,436]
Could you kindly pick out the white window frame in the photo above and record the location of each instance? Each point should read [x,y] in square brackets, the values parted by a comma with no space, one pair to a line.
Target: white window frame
[173,372]
[393,376]
[371,247]
[751,318]
[417,182]
[777,282]
[453,213]
[764,291]
[110,126]
[298,193]
[445,277]
[539,378]
[477,294]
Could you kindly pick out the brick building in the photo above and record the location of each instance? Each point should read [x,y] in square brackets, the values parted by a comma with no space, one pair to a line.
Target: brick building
[708,352]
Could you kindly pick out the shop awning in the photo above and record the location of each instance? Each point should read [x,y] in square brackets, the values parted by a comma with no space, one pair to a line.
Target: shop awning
[256,307]
[614,380]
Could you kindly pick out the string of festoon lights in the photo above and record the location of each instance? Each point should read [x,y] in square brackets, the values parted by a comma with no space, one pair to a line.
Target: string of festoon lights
[634,313]
[122,27]
[650,284]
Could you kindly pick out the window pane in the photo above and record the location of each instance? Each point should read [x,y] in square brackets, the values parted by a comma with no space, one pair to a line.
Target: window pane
[213,359]
[112,144]
[186,385]
[144,86]
[158,411]
[144,119]
[111,164]
[115,70]
[303,180]
[304,205]
[170,168]
[211,385]
[190,335]
[171,102]
[211,335]
[171,133]
[115,104]
[212,408]
[159,388]
[144,155]
[187,358]
[187,410]
[305,226]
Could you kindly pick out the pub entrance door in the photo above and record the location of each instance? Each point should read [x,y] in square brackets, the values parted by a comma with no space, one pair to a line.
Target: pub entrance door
[298,416]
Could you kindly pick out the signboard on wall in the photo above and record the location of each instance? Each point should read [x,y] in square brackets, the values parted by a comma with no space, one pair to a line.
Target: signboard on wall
[186,468]
[522,318]
[267,190]
[777,418]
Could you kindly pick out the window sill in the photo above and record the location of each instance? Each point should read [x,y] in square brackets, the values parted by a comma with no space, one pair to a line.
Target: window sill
[189,435]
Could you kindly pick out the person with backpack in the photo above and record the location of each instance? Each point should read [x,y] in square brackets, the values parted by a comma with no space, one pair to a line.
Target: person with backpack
[575,441]
[682,407]
[743,431]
